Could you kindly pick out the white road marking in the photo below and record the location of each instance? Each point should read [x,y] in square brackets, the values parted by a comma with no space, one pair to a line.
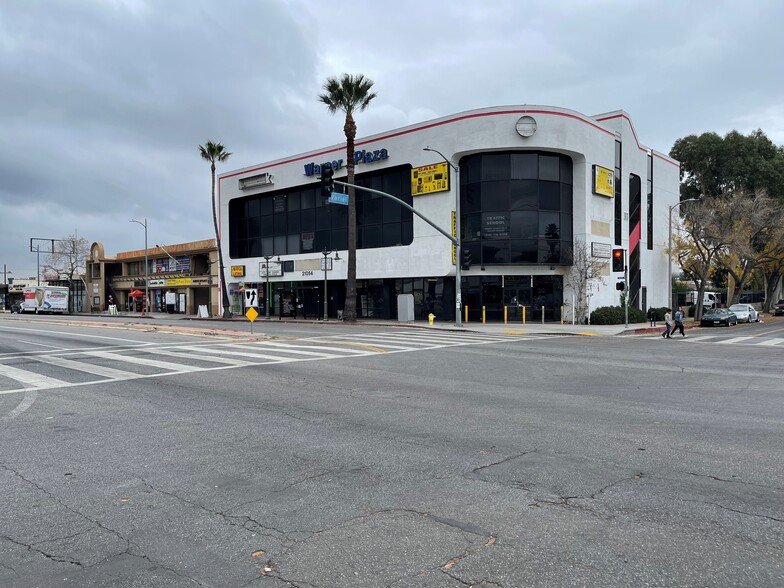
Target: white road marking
[29,379]
[773,341]
[42,345]
[82,366]
[241,354]
[200,357]
[27,402]
[39,331]
[164,365]
[734,340]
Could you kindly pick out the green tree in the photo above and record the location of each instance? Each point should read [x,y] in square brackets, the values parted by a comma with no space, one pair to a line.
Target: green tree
[712,165]
[349,94]
[216,152]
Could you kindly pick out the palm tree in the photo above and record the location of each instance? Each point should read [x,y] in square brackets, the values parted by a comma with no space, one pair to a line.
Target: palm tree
[213,152]
[349,94]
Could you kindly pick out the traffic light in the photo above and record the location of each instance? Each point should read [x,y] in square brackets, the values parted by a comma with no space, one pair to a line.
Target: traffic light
[620,286]
[617,260]
[327,183]
[466,259]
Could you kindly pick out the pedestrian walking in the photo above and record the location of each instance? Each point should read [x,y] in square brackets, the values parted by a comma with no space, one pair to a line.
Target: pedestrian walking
[679,322]
[667,324]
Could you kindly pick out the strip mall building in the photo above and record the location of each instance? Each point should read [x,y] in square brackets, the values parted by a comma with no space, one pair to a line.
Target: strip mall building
[533,182]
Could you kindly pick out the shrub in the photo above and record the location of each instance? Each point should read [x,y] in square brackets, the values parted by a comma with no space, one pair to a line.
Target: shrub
[616,315]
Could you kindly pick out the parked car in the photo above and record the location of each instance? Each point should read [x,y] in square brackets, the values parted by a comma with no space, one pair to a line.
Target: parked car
[745,313]
[778,308]
[717,317]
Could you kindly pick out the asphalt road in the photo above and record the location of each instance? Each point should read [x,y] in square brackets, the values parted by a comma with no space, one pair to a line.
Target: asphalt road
[331,456]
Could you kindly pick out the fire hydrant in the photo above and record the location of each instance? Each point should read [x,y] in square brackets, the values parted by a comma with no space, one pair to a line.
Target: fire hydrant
[431,317]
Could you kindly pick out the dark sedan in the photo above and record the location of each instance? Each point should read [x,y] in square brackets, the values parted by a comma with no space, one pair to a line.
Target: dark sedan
[718,317]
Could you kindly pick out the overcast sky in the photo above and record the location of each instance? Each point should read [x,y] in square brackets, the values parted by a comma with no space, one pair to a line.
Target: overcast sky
[103,103]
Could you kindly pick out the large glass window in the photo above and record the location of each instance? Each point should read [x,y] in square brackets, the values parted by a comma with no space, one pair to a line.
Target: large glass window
[299,221]
[516,208]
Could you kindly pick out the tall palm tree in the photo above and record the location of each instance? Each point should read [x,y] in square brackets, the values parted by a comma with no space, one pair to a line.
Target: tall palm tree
[349,94]
[216,152]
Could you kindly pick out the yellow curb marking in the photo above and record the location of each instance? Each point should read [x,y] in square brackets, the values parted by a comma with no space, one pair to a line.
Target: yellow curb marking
[513,332]
[587,334]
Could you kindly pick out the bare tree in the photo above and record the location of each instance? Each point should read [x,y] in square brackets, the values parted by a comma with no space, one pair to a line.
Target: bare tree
[68,258]
[756,239]
[583,278]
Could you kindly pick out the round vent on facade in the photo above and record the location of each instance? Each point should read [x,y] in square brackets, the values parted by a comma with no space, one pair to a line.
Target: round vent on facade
[526,126]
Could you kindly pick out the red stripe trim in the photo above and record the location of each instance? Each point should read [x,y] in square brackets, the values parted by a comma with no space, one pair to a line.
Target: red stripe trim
[416,130]
[635,236]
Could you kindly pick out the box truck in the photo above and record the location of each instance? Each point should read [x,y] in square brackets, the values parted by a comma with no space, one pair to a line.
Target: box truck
[45,299]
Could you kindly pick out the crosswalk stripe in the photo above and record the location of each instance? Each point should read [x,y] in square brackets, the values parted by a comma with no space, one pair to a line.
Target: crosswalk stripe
[88,368]
[231,352]
[384,342]
[293,351]
[164,365]
[773,341]
[346,350]
[206,356]
[29,379]
[734,340]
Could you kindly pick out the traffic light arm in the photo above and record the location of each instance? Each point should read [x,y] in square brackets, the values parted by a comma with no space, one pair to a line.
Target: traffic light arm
[411,208]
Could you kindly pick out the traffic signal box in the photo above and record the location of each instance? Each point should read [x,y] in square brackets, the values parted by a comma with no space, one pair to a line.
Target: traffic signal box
[620,286]
[466,265]
[618,260]
[327,183]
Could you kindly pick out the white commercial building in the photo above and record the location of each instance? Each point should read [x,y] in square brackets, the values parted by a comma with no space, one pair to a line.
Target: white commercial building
[534,183]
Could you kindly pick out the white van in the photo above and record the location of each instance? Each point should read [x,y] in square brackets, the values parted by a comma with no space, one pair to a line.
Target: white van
[709,299]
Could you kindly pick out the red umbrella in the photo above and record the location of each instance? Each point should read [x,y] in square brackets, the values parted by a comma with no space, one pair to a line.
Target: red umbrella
[136,293]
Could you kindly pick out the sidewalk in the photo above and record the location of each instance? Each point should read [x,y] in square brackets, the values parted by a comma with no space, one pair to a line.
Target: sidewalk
[529,328]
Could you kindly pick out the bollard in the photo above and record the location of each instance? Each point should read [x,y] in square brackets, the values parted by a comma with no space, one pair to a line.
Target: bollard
[483,315]
[542,314]
[505,314]
[431,317]
[466,314]
[523,315]
[562,311]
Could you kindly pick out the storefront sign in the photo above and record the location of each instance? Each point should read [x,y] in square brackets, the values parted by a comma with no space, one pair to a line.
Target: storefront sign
[603,181]
[430,178]
[238,271]
[275,269]
[361,156]
[157,283]
[600,250]
[495,225]
[178,282]
[201,281]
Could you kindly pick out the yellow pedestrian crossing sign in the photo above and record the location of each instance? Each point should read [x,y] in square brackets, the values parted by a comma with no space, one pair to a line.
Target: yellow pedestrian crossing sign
[252,314]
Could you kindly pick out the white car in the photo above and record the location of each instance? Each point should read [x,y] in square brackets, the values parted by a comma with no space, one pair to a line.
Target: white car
[745,313]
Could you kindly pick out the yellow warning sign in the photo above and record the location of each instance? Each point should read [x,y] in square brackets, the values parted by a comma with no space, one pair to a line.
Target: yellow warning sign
[252,314]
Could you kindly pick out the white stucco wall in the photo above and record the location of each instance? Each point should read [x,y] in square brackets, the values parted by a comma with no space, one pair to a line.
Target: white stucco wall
[588,140]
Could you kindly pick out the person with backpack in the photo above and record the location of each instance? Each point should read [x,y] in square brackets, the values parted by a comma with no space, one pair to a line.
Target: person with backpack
[667,324]
[679,322]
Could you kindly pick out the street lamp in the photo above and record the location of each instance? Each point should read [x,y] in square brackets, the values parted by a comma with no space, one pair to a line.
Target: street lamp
[327,267]
[458,252]
[146,265]
[267,296]
[669,251]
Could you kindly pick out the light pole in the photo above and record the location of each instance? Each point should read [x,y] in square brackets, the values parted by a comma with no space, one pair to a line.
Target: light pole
[146,266]
[327,267]
[458,252]
[669,250]
[267,296]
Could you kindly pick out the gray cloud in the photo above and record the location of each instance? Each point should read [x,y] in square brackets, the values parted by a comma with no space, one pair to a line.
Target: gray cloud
[104,102]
